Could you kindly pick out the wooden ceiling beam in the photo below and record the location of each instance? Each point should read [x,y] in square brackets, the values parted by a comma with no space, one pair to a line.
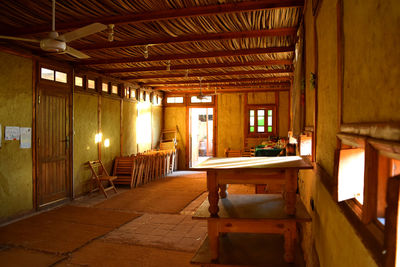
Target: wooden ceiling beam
[159,15]
[223,90]
[225,53]
[199,74]
[277,62]
[284,85]
[188,38]
[210,82]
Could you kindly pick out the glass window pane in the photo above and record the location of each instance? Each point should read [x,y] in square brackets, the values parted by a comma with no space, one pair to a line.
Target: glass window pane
[270,129]
[114,89]
[170,100]
[269,112]
[104,87]
[269,121]
[207,99]
[252,129]
[47,74]
[61,77]
[251,121]
[91,84]
[252,112]
[194,99]
[260,112]
[179,99]
[260,129]
[78,81]
[133,93]
[260,121]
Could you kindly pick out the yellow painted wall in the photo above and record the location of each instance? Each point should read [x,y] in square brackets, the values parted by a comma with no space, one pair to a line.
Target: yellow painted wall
[230,119]
[261,98]
[110,128]
[157,118]
[129,128]
[283,113]
[85,149]
[371,64]
[15,110]
[176,117]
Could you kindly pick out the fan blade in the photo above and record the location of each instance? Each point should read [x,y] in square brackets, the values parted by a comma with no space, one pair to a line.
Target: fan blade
[75,53]
[82,32]
[19,39]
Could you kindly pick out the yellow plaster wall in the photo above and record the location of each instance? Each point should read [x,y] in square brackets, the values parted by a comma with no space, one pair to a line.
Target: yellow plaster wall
[283,113]
[129,128]
[110,128]
[176,117]
[230,121]
[15,110]
[143,126]
[85,148]
[157,118]
[261,98]
[371,61]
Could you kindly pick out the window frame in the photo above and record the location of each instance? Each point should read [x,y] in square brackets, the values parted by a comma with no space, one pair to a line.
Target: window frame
[260,107]
[189,97]
[164,100]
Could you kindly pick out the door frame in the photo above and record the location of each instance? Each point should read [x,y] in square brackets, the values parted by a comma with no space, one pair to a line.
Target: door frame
[68,88]
[215,126]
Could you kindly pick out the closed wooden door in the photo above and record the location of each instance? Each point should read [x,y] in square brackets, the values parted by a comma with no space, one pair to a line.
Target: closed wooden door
[53,145]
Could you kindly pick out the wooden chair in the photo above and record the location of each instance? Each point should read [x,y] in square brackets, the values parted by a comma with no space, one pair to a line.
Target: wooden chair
[124,169]
[100,175]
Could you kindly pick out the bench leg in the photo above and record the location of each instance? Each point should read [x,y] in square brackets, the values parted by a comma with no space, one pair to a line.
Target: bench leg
[213,238]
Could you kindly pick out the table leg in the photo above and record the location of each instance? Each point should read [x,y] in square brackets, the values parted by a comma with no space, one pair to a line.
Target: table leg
[213,198]
[213,238]
[290,190]
[222,190]
[290,238]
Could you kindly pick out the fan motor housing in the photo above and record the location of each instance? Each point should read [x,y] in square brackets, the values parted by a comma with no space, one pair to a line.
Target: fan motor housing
[52,45]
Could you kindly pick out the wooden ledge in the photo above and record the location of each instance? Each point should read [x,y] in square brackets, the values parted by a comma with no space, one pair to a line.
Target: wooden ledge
[260,206]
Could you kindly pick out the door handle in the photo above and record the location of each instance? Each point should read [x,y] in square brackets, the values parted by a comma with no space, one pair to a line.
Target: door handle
[66,140]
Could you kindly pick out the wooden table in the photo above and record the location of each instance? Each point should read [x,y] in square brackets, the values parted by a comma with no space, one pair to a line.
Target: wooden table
[252,170]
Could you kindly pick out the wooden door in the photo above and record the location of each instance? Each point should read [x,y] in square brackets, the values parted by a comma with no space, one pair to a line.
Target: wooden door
[53,145]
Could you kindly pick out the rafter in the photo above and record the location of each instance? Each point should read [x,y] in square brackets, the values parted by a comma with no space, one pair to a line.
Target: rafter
[201,66]
[275,79]
[226,53]
[189,38]
[230,90]
[154,16]
[199,74]
[271,85]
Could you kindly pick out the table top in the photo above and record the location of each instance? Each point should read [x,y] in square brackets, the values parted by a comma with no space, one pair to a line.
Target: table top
[290,162]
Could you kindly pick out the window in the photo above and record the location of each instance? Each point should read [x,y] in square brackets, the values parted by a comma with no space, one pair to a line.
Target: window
[114,89]
[306,144]
[61,77]
[175,99]
[104,87]
[91,84]
[204,99]
[78,81]
[261,120]
[159,100]
[132,93]
[47,74]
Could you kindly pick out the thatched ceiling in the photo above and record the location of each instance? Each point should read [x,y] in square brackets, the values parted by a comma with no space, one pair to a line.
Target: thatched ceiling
[225,43]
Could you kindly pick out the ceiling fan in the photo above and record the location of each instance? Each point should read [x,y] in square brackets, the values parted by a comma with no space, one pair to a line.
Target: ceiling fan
[58,43]
[203,96]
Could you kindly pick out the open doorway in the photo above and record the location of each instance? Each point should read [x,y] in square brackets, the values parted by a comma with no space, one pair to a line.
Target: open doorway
[201,135]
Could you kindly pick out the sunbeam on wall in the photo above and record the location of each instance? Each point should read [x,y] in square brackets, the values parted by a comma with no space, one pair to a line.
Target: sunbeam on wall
[143,126]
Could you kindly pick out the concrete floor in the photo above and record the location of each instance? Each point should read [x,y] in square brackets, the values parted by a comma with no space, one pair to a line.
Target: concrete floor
[155,230]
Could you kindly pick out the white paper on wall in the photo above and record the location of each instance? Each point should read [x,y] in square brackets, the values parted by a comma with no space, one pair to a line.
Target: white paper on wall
[26,137]
[11,133]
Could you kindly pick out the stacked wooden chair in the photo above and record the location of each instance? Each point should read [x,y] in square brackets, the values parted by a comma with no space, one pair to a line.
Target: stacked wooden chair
[100,177]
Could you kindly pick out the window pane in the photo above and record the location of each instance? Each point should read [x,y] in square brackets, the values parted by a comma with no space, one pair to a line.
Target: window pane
[114,89]
[91,84]
[104,87]
[269,121]
[47,74]
[260,129]
[269,129]
[269,112]
[78,81]
[179,99]
[260,112]
[251,121]
[194,99]
[252,129]
[207,99]
[61,77]
[252,112]
[260,121]
[133,93]
[170,99]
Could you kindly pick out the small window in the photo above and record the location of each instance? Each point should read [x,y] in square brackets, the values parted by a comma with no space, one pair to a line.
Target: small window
[47,74]
[114,89]
[305,145]
[159,99]
[132,93]
[204,99]
[61,77]
[91,84]
[175,99]
[78,81]
[351,174]
[104,87]
[261,121]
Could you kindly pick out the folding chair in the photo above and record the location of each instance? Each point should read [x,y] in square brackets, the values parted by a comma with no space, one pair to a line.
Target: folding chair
[99,175]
